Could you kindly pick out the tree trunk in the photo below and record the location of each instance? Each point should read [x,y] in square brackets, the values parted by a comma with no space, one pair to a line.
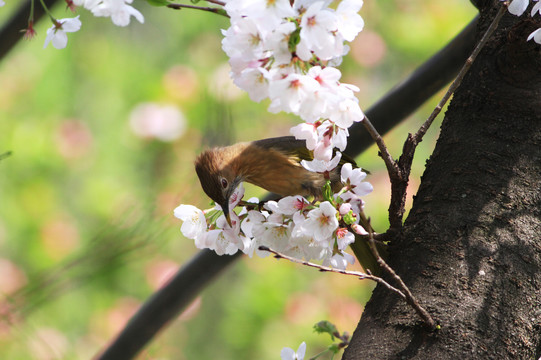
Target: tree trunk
[470,249]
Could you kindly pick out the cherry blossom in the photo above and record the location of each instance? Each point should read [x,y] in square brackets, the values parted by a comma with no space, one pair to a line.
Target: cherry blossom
[350,23]
[278,43]
[321,222]
[322,166]
[274,233]
[228,239]
[290,354]
[56,34]
[347,112]
[339,260]
[255,81]
[344,238]
[290,93]
[318,25]
[243,39]
[118,10]
[291,204]
[308,132]
[353,179]
[194,221]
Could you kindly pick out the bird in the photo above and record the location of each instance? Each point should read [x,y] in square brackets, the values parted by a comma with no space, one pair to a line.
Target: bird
[273,164]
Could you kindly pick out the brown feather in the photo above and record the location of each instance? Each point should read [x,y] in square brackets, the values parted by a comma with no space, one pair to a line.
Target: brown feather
[273,164]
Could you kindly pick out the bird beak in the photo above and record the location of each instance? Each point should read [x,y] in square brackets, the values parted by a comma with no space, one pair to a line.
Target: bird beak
[225,208]
[225,203]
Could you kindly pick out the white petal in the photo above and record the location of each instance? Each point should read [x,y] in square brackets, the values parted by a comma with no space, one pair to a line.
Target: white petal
[287,354]
[536,35]
[323,152]
[71,24]
[305,131]
[136,14]
[363,189]
[345,174]
[184,212]
[536,8]
[334,162]
[49,37]
[60,39]
[518,7]
[301,351]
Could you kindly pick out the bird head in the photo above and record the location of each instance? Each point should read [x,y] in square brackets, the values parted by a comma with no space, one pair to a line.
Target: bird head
[217,179]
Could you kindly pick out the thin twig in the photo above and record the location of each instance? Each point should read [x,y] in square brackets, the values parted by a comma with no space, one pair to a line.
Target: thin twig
[458,80]
[322,268]
[390,163]
[218,11]
[399,186]
[10,29]
[410,299]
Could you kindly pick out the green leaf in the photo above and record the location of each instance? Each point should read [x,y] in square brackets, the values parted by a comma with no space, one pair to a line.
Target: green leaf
[334,348]
[325,326]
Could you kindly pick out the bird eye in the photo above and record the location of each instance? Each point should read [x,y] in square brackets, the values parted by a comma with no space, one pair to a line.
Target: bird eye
[224,183]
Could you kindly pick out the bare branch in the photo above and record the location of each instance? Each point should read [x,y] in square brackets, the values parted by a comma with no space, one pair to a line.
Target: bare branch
[410,299]
[390,163]
[458,80]
[399,185]
[322,268]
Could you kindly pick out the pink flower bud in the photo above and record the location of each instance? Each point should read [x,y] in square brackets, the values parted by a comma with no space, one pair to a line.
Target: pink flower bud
[345,208]
[359,229]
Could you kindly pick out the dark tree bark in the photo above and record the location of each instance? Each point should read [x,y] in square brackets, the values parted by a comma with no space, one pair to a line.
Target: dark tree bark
[470,249]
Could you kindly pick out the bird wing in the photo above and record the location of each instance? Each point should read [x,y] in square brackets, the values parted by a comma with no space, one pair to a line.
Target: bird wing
[296,149]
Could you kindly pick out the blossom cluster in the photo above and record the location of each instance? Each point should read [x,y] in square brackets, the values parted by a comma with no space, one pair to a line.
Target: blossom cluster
[518,7]
[285,51]
[119,11]
[292,226]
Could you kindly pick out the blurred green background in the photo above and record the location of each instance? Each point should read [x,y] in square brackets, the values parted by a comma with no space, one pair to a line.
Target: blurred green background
[104,134]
